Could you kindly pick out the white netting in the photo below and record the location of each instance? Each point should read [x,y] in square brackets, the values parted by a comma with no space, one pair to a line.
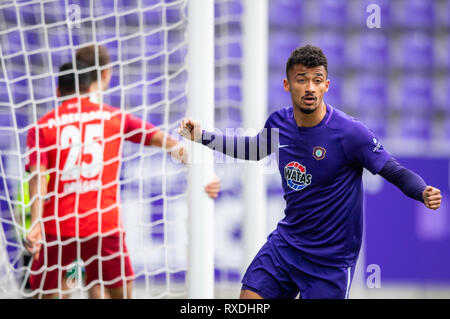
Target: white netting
[147,45]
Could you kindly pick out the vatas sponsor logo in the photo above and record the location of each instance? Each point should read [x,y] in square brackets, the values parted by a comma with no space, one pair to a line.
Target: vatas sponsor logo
[296,176]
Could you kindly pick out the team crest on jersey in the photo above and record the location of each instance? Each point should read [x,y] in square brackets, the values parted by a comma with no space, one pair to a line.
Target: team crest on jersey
[296,176]
[319,153]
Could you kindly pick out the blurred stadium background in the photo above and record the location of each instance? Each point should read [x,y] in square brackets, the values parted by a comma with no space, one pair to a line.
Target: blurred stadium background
[396,79]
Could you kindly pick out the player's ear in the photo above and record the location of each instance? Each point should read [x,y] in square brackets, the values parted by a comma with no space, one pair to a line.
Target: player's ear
[286,85]
[106,77]
[327,84]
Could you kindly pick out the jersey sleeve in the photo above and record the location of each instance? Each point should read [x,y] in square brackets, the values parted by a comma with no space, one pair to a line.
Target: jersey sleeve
[363,148]
[36,146]
[135,126]
[253,148]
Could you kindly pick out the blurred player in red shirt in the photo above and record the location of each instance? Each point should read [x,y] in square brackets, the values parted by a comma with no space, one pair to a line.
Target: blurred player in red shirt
[79,144]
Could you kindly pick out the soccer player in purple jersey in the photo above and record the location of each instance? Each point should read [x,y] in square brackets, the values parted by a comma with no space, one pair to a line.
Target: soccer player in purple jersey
[321,153]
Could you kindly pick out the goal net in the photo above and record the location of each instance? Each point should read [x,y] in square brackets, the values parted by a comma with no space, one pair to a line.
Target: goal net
[146,40]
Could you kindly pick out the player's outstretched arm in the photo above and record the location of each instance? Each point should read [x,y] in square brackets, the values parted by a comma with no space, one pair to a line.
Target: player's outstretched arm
[411,184]
[253,148]
[177,151]
[432,197]
[154,137]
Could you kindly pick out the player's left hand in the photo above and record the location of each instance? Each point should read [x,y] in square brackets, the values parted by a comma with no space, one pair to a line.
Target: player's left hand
[213,187]
[432,197]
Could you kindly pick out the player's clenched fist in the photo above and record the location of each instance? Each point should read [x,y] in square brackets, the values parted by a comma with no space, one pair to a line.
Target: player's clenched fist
[190,129]
[432,197]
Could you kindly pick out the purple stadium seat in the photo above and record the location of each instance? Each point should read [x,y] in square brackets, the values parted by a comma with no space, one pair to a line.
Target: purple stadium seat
[372,92]
[22,119]
[42,87]
[333,45]
[417,94]
[441,49]
[3,93]
[60,57]
[113,47]
[30,14]
[331,13]
[278,98]
[228,8]
[228,50]
[442,13]
[10,43]
[58,37]
[281,44]
[33,39]
[368,51]
[376,122]
[105,29]
[155,92]
[128,22]
[416,51]
[154,43]
[133,99]
[152,18]
[334,94]
[413,13]
[447,127]
[103,7]
[178,57]
[54,12]
[148,3]
[38,63]
[155,68]
[130,48]
[286,13]
[229,92]
[415,127]
[173,15]
[8,17]
[15,67]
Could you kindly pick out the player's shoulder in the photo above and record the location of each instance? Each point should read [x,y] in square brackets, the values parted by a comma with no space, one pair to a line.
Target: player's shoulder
[280,115]
[346,124]
[107,110]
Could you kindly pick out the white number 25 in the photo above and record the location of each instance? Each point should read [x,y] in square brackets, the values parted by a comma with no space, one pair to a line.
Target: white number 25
[71,137]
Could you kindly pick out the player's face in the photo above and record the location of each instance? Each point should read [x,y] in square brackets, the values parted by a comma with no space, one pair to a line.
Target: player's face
[307,87]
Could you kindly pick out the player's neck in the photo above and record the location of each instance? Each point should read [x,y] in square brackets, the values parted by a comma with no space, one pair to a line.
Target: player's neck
[310,120]
[95,95]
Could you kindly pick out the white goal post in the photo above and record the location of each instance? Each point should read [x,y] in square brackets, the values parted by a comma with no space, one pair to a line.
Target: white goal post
[201,107]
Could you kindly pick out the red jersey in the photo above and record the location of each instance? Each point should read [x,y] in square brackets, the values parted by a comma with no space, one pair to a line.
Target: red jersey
[80,144]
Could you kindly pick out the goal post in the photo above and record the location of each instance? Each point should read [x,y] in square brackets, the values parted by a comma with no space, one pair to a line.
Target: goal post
[254,110]
[201,107]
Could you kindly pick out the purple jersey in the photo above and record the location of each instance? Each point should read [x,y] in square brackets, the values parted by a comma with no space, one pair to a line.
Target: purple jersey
[321,169]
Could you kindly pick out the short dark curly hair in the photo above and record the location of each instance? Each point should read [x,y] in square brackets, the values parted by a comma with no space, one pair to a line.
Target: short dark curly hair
[309,56]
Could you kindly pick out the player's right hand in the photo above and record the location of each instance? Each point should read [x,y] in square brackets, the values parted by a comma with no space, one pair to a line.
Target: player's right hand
[190,129]
[432,197]
[33,241]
